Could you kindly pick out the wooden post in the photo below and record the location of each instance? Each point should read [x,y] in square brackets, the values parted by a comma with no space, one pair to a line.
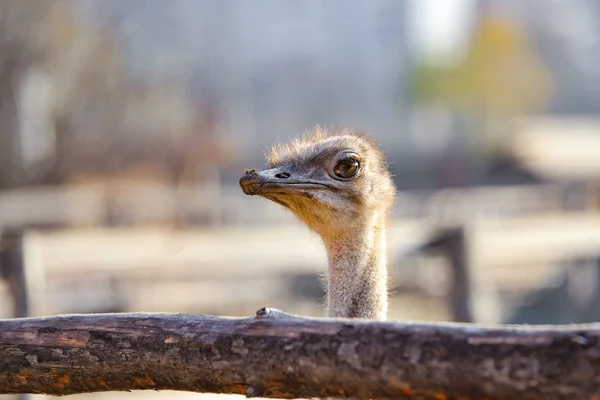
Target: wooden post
[460,294]
[13,270]
[453,243]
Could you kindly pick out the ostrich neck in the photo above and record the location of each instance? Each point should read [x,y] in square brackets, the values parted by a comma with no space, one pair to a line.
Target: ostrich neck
[357,280]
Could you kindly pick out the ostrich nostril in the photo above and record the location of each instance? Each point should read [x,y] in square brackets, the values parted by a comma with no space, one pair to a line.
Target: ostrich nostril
[283,175]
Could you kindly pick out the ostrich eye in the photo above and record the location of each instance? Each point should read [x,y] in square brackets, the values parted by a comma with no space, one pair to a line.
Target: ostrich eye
[346,167]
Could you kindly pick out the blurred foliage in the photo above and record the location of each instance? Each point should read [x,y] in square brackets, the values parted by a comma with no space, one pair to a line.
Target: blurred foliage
[499,79]
[500,72]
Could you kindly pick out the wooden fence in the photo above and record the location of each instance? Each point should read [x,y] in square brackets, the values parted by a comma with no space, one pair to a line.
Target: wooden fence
[136,204]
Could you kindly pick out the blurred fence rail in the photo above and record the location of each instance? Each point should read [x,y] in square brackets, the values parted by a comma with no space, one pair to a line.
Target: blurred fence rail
[164,269]
[239,268]
[157,203]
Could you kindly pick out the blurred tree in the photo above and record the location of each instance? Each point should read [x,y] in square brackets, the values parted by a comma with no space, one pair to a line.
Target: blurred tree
[24,43]
[67,106]
[50,70]
[91,107]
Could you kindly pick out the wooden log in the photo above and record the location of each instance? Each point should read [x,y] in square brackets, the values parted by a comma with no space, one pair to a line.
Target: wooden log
[283,356]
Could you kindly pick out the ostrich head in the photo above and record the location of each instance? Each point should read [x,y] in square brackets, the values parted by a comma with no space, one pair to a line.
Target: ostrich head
[335,182]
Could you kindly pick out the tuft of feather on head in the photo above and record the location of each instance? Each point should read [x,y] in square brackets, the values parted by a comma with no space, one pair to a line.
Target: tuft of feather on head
[316,144]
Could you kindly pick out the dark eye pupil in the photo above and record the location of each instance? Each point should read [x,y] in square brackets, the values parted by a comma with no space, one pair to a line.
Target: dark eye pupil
[346,168]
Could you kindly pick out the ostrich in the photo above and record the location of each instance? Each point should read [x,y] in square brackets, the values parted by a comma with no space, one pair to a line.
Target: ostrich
[338,184]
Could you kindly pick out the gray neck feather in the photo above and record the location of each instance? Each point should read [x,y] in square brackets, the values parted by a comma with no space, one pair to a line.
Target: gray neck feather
[357,280]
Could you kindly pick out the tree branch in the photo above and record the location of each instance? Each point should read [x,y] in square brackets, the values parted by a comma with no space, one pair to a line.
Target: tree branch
[284,356]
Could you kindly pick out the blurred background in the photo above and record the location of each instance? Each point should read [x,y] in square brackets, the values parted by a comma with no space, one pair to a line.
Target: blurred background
[125,125]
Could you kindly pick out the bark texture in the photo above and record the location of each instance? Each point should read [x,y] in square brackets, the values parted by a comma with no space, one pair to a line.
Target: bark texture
[283,356]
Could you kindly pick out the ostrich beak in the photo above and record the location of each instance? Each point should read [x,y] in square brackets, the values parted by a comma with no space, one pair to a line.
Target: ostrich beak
[262,182]
[277,181]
